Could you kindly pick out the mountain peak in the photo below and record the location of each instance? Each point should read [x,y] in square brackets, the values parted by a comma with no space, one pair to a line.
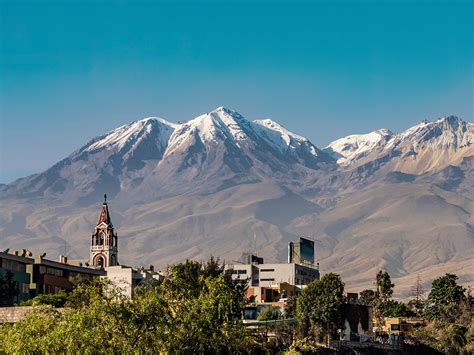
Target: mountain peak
[130,133]
[452,121]
[450,118]
[226,110]
[354,147]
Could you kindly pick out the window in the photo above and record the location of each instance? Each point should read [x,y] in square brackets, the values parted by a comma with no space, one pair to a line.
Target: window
[267,270]
[242,272]
[272,279]
[55,272]
[13,265]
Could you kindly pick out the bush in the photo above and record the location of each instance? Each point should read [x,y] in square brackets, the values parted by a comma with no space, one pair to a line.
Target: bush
[56,300]
[269,313]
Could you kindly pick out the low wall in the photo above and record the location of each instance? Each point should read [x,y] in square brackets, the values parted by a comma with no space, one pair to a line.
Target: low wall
[13,314]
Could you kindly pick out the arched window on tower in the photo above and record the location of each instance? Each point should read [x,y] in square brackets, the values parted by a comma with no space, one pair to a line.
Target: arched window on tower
[101,239]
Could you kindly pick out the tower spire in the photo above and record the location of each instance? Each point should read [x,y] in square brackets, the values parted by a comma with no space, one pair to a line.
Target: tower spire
[104,244]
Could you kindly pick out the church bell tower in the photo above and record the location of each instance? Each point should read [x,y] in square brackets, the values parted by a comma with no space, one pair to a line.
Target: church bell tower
[104,247]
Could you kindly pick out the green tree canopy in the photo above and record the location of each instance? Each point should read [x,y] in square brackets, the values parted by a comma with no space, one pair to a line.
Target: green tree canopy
[367,297]
[197,309]
[393,308]
[53,299]
[269,313]
[290,308]
[319,304]
[444,298]
[384,286]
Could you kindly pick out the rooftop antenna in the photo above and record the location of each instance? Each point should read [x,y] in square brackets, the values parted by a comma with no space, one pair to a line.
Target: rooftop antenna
[105,198]
[65,248]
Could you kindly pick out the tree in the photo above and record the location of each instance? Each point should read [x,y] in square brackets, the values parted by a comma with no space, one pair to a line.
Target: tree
[384,286]
[290,308]
[417,303]
[367,297]
[446,338]
[9,289]
[383,293]
[319,304]
[197,309]
[449,308]
[445,298]
[269,313]
[53,299]
[393,308]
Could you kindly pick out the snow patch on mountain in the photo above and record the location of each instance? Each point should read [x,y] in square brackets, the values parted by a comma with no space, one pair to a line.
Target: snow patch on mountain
[427,146]
[281,138]
[134,133]
[444,132]
[348,149]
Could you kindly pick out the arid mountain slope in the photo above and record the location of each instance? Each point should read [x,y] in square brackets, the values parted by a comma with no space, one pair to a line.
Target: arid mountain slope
[403,202]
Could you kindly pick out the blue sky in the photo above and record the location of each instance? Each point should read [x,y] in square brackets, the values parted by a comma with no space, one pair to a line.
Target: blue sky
[71,70]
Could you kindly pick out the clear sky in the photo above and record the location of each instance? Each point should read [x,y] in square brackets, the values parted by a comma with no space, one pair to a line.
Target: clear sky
[71,70]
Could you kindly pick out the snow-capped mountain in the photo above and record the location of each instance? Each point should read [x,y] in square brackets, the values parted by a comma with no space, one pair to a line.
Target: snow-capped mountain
[425,147]
[403,202]
[154,157]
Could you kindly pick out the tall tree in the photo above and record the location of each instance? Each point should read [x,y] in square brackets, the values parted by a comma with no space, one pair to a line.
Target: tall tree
[290,308]
[383,293]
[384,286]
[319,305]
[417,303]
[445,298]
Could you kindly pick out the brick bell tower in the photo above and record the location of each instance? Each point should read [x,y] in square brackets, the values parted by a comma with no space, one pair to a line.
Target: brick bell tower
[104,246]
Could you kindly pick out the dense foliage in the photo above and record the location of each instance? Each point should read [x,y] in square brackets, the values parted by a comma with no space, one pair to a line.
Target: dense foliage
[53,299]
[444,298]
[269,313]
[449,307]
[393,308]
[319,305]
[367,297]
[197,309]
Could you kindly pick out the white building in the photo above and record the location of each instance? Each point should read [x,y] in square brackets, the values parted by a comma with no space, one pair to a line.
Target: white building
[127,278]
